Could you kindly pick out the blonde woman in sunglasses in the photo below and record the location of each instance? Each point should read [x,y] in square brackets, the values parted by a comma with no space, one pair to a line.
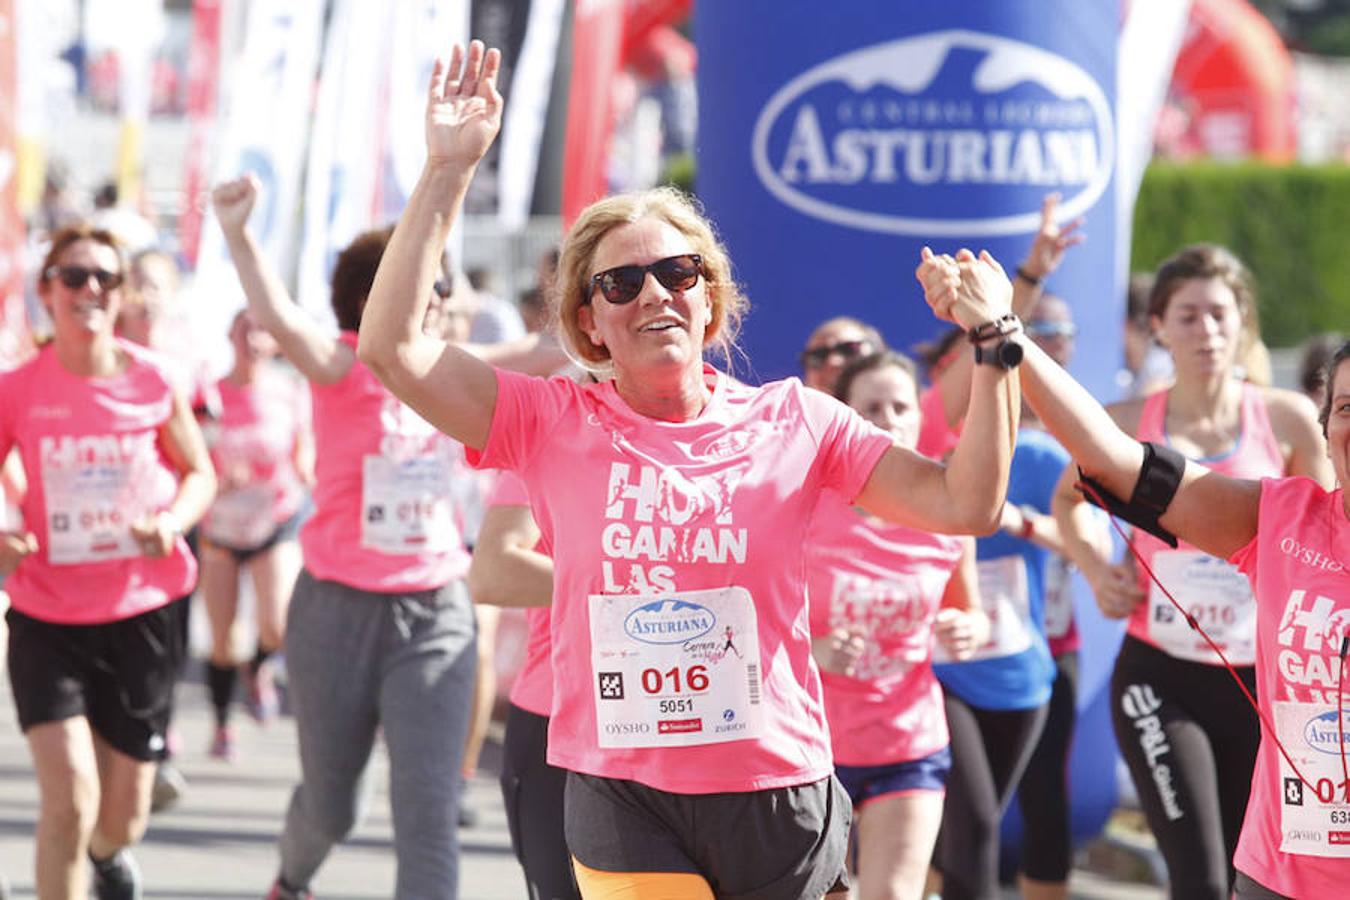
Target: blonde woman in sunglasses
[676,502]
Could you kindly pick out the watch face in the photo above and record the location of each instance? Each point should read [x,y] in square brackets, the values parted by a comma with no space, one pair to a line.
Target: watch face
[1005,354]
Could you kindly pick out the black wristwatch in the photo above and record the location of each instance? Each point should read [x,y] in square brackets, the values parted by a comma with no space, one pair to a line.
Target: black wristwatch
[1005,354]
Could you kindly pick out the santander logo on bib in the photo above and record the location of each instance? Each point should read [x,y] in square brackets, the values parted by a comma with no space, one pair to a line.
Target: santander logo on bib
[669,621]
[896,137]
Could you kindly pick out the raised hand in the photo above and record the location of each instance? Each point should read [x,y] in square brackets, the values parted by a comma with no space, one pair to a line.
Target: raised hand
[233,202]
[464,109]
[1051,240]
[966,289]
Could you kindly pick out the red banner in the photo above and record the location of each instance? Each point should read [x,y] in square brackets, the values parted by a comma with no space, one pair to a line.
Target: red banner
[203,76]
[14,338]
[597,41]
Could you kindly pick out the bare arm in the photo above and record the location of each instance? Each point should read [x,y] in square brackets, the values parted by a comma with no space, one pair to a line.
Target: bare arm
[180,439]
[962,626]
[318,356]
[966,495]
[507,570]
[1088,546]
[1294,421]
[1111,456]
[450,387]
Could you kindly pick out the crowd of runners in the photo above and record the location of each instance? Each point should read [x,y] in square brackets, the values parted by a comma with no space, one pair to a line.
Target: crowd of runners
[802,640]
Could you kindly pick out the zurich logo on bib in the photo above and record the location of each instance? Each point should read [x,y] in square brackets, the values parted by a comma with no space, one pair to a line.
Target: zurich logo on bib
[897,137]
[669,621]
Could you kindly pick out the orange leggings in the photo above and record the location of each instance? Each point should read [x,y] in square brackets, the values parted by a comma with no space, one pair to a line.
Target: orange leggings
[597,885]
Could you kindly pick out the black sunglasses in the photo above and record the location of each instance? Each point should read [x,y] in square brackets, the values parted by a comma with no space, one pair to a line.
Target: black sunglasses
[444,288]
[622,284]
[818,356]
[75,277]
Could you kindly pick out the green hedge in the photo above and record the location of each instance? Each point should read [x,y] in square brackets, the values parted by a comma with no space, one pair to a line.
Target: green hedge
[1289,224]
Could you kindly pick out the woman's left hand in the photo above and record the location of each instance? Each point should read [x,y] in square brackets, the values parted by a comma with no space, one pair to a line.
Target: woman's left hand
[961,632]
[966,289]
[156,534]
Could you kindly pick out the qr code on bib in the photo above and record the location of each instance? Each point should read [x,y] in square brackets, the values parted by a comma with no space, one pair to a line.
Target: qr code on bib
[611,685]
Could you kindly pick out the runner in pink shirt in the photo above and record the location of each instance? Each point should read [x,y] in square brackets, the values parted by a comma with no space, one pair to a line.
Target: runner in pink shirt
[1288,537]
[380,634]
[512,566]
[881,594]
[1193,772]
[116,468]
[677,503]
[263,451]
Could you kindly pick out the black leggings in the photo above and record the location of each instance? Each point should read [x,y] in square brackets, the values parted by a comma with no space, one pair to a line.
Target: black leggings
[533,793]
[1189,738]
[1043,796]
[990,749]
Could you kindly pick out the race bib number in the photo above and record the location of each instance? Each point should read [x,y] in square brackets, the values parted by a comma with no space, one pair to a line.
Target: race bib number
[90,509]
[676,669]
[406,506]
[1058,598]
[1216,594]
[1006,600]
[241,518]
[1314,820]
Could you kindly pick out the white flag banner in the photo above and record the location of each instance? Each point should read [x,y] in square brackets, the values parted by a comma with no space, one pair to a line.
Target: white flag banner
[523,128]
[344,151]
[265,128]
[1150,38]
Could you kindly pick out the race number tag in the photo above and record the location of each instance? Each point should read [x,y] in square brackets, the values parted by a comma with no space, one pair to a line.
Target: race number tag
[1313,825]
[1058,597]
[90,509]
[676,669]
[406,506]
[1216,593]
[1006,600]
[242,518]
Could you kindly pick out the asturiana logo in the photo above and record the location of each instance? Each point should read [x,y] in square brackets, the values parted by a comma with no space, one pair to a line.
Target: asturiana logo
[1322,734]
[948,113]
[669,621]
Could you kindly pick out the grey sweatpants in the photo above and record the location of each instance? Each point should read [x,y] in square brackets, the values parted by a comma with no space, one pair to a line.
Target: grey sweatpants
[358,661]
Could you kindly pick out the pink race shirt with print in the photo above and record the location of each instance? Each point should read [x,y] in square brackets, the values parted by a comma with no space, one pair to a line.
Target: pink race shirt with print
[384,513]
[1292,841]
[253,450]
[886,583]
[532,690]
[90,449]
[681,650]
[1211,589]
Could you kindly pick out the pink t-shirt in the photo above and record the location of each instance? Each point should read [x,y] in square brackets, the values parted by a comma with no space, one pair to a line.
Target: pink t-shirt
[384,514]
[90,449]
[532,690]
[1187,572]
[936,437]
[1291,843]
[685,538]
[885,581]
[253,449]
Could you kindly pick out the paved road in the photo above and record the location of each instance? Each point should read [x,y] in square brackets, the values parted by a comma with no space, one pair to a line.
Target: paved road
[219,843]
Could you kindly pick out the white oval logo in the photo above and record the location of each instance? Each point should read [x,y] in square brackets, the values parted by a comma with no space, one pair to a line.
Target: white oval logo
[892,137]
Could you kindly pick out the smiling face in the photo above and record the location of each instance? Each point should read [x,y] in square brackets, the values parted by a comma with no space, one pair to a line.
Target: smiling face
[887,397]
[88,310]
[1201,327]
[661,329]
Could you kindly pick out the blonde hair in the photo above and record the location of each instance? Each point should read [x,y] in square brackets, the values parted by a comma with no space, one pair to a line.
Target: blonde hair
[680,211]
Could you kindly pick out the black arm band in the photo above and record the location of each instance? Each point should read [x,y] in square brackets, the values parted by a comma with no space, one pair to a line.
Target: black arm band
[1159,478]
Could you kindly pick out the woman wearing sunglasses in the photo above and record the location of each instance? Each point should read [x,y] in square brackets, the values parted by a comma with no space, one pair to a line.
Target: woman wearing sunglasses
[1288,536]
[677,503]
[1200,307]
[116,469]
[833,345]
